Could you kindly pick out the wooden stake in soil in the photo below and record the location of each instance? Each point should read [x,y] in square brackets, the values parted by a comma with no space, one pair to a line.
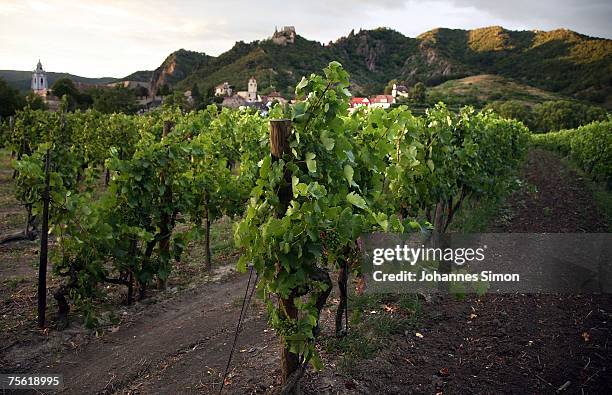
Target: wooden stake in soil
[166,218]
[42,264]
[280,132]
[207,252]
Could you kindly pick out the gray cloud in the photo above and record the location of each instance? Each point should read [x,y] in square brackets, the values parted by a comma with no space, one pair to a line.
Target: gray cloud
[592,17]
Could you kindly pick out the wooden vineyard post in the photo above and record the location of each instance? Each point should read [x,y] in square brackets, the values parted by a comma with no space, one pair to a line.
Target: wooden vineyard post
[166,218]
[280,132]
[207,252]
[42,264]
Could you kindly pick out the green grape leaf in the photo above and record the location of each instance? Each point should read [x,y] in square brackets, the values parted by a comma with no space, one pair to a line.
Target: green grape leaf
[327,142]
[310,162]
[356,200]
[348,173]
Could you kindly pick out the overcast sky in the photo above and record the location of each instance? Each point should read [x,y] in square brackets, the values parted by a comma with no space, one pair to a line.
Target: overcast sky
[114,38]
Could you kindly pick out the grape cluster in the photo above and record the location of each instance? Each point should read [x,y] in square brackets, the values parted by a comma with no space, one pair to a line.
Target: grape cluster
[286,327]
[331,241]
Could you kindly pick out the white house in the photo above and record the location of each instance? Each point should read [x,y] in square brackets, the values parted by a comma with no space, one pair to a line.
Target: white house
[250,95]
[382,101]
[399,90]
[223,89]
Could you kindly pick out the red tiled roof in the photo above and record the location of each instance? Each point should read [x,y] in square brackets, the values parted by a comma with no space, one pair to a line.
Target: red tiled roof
[359,101]
[382,99]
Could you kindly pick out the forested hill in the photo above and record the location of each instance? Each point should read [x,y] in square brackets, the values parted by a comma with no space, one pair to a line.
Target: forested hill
[560,61]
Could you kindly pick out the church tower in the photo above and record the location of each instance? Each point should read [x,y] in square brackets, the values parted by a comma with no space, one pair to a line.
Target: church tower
[39,80]
[252,89]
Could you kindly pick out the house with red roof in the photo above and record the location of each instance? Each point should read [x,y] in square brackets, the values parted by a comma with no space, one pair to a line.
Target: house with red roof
[357,102]
[382,101]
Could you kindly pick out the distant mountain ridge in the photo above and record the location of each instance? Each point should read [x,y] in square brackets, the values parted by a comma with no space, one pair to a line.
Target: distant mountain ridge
[20,79]
[560,61]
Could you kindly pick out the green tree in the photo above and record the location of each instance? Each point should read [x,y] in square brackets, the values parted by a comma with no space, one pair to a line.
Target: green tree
[35,101]
[10,99]
[115,100]
[267,90]
[197,97]
[565,114]
[418,93]
[164,90]
[65,86]
[207,98]
[85,100]
[195,92]
[76,99]
[389,86]
[513,109]
[176,99]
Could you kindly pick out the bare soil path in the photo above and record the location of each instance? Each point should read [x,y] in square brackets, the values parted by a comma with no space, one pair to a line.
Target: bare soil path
[175,346]
[510,344]
[556,199]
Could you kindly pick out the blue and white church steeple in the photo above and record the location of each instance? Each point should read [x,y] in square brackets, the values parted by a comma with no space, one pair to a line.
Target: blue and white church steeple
[39,80]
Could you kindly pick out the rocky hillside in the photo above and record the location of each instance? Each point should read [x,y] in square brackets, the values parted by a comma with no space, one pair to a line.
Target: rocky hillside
[559,61]
[177,67]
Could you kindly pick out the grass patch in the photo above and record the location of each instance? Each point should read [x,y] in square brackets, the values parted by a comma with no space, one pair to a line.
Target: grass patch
[374,319]
[12,213]
[601,195]
[603,200]
[222,245]
[481,89]
[476,216]
[222,237]
[12,283]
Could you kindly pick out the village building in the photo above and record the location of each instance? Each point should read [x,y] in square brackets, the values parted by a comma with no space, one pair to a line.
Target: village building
[39,84]
[250,95]
[272,97]
[189,97]
[224,89]
[399,91]
[234,101]
[382,101]
[249,98]
[357,102]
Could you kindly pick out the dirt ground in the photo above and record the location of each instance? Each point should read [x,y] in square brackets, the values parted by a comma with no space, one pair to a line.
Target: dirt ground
[179,341]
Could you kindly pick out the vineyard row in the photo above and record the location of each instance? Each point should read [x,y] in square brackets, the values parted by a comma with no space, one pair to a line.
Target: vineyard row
[304,183]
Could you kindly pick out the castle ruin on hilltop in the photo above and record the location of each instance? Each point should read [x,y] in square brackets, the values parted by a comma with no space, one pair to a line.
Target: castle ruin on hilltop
[284,36]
